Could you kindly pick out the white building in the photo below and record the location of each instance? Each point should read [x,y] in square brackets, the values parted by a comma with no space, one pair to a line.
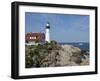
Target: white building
[47,34]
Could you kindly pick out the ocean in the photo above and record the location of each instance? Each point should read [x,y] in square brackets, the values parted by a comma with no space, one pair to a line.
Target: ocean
[82,46]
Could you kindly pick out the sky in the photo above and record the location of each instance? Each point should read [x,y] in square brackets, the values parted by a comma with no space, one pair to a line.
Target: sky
[63,27]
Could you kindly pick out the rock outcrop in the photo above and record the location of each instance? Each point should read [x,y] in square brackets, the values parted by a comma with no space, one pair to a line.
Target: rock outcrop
[53,55]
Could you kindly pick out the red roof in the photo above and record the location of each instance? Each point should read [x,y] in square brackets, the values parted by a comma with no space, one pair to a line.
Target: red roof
[35,37]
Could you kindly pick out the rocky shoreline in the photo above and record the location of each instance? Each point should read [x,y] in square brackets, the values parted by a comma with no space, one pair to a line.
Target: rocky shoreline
[73,56]
[53,55]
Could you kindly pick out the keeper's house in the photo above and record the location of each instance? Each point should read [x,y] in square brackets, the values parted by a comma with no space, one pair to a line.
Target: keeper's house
[34,38]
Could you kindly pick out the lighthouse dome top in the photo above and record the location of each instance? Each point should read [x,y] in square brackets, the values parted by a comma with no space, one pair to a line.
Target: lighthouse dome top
[48,25]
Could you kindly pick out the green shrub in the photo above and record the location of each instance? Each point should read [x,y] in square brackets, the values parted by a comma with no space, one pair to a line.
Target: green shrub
[38,55]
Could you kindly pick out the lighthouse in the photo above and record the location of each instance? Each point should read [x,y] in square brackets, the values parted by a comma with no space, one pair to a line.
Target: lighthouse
[47,34]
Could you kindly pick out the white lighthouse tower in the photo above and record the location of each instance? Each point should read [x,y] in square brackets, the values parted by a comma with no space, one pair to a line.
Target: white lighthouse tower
[47,32]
